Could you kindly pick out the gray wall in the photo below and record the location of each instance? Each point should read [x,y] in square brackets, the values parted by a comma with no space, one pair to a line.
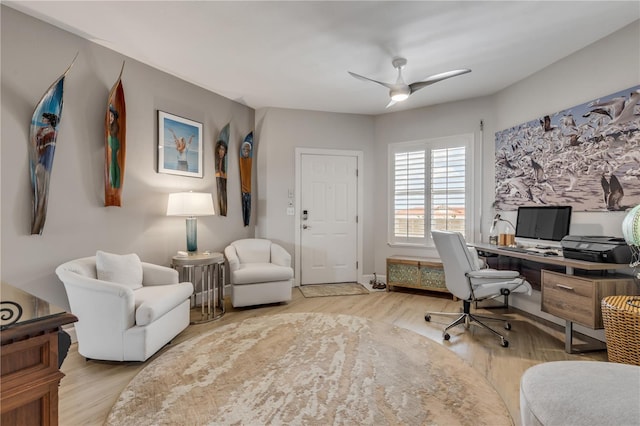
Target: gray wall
[34,54]
[78,224]
[605,67]
[280,132]
[455,118]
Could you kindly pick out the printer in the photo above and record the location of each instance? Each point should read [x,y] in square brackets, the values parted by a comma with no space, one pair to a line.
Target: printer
[596,249]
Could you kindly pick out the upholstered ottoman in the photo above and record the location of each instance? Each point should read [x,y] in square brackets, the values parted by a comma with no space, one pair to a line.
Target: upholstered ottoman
[580,393]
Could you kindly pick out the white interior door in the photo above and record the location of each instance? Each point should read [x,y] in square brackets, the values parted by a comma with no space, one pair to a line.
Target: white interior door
[328,235]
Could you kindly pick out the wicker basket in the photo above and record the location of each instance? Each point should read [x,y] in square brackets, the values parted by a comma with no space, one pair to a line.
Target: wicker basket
[621,317]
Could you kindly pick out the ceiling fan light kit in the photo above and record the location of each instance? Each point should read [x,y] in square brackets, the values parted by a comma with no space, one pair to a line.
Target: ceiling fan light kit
[401,91]
[399,95]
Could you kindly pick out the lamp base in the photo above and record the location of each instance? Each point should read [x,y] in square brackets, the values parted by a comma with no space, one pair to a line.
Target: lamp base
[192,234]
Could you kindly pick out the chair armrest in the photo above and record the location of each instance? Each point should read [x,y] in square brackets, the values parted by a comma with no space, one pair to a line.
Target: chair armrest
[280,256]
[493,274]
[104,309]
[232,258]
[158,275]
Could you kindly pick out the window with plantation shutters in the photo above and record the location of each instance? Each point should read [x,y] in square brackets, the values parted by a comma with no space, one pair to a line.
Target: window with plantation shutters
[448,183]
[409,195]
[429,183]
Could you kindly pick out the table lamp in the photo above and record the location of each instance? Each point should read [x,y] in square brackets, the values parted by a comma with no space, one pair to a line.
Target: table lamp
[502,235]
[191,204]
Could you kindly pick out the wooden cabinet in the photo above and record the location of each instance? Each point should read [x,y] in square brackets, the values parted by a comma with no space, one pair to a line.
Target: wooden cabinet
[577,298]
[29,361]
[415,272]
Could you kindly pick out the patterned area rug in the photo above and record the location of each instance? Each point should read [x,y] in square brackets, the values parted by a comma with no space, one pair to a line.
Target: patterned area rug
[340,289]
[306,368]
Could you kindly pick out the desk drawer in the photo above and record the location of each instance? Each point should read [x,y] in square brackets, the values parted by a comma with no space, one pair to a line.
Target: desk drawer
[569,297]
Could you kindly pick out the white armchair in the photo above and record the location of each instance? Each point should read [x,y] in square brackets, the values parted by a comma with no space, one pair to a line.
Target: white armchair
[127,310]
[260,272]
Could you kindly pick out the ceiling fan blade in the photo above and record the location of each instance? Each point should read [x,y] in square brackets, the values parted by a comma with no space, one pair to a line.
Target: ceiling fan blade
[360,77]
[436,78]
[391,103]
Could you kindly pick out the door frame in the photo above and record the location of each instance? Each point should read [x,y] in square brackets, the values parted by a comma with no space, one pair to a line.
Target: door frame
[298,223]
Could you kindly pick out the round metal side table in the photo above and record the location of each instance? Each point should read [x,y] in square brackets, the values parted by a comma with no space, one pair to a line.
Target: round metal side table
[206,272]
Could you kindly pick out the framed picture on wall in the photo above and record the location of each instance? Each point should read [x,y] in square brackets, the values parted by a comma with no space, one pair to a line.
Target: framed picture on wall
[179,146]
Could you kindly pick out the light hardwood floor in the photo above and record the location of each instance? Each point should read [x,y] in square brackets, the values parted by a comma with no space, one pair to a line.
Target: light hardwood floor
[90,388]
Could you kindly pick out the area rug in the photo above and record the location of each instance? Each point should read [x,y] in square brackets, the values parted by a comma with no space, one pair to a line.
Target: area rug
[339,289]
[309,369]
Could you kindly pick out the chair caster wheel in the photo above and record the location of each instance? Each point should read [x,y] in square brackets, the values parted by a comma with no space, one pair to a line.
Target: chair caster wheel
[507,326]
[446,336]
[504,343]
[427,318]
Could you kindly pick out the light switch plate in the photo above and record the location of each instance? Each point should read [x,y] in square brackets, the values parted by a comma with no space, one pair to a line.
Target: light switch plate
[291,211]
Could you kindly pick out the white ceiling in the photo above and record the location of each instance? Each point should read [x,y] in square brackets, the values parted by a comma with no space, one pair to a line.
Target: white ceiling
[296,54]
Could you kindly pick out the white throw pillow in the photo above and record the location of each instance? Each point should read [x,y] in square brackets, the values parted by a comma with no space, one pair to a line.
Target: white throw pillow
[125,269]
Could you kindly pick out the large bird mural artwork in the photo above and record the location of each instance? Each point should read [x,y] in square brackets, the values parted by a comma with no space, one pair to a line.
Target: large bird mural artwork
[587,156]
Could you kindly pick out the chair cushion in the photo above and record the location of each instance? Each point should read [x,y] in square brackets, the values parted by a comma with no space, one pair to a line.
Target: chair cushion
[260,272]
[123,269]
[253,250]
[152,302]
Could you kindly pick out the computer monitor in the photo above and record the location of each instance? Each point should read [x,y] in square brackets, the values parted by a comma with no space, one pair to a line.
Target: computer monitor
[543,224]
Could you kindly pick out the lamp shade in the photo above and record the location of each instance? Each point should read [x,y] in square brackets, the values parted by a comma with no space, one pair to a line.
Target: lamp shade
[190,204]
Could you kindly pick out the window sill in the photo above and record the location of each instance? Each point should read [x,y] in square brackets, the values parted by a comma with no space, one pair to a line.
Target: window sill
[409,245]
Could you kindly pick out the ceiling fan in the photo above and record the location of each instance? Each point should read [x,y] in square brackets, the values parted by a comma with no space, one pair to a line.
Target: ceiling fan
[400,91]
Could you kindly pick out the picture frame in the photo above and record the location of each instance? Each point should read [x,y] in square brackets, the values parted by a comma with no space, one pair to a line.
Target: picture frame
[180,146]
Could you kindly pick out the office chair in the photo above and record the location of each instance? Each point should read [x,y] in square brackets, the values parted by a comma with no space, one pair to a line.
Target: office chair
[465,280]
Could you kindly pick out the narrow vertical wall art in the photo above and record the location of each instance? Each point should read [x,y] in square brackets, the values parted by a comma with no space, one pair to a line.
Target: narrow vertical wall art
[220,155]
[115,146]
[246,156]
[43,134]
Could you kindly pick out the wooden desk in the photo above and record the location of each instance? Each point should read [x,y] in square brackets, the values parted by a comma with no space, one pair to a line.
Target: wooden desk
[29,374]
[574,297]
[569,264]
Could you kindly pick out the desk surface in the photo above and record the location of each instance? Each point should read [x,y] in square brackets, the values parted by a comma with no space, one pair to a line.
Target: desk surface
[551,260]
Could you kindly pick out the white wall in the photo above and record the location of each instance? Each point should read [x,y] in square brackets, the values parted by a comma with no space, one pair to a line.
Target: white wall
[280,131]
[34,54]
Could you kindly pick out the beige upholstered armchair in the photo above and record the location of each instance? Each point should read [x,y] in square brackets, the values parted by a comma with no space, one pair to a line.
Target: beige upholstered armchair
[260,272]
[127,309]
